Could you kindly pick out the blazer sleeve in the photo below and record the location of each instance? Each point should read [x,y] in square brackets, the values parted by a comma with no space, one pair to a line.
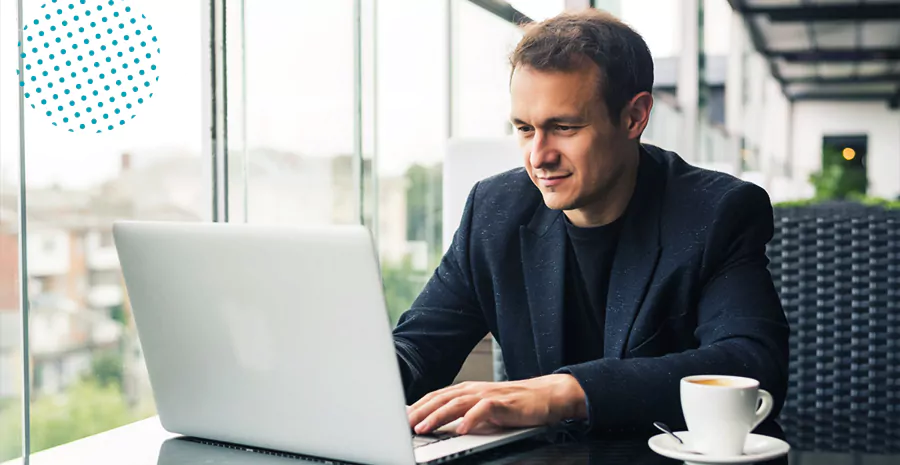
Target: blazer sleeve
[434,337]
[741,329]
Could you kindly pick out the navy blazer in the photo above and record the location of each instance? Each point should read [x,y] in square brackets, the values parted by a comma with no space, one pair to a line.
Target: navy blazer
[689,293]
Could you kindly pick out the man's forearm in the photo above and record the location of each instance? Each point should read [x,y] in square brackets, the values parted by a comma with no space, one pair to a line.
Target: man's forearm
[630,394]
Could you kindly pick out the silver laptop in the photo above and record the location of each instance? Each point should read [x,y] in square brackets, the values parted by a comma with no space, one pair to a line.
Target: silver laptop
[276,338]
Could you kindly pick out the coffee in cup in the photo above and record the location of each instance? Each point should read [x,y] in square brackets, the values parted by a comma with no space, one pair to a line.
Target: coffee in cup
[714,382]
[721,411]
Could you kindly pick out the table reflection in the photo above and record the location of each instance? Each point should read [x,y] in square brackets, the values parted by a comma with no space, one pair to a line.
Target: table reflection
[185,451]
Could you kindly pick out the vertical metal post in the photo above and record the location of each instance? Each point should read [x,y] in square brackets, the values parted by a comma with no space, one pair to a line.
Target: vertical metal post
[357,162]
[244,160]
[23,252]
[375,172]
[451,82]
[215,114]
[223,116]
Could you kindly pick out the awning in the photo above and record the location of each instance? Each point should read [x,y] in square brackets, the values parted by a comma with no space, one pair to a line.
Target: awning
[828,49]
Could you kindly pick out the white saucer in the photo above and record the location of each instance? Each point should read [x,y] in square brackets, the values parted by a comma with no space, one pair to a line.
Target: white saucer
[757,449]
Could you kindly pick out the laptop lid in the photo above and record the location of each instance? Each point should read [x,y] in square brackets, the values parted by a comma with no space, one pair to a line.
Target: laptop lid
[270,337]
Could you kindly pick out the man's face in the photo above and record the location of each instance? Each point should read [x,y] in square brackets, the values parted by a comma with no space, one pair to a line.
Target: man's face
[573,151]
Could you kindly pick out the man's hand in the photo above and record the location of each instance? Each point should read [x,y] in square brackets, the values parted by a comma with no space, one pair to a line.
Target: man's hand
[533,402]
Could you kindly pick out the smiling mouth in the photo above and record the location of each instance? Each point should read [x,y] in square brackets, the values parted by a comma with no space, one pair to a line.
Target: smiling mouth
[550,181]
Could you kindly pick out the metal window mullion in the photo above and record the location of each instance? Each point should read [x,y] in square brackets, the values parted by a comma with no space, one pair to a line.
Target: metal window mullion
[23,249]
[376,192]
[244,160]
[223,115]
[215,90]
[357,164]
[451,112]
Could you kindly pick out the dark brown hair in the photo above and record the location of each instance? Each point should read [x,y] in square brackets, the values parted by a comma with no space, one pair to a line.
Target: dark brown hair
[563,42]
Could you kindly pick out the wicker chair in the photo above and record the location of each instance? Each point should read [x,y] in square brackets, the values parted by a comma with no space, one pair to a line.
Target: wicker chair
[837,269]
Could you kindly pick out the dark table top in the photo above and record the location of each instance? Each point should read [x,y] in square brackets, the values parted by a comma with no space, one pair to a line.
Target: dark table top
[620,451]
[146,443]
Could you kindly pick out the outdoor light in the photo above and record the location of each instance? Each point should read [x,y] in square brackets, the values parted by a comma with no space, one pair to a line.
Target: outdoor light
[849,153]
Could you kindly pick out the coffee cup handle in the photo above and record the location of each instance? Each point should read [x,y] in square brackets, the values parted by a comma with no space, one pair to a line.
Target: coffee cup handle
[764,409]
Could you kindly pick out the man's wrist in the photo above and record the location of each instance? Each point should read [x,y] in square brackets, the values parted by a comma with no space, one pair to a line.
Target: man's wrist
[571,398]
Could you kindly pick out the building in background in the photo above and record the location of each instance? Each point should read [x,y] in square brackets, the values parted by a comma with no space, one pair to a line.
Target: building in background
[775,85]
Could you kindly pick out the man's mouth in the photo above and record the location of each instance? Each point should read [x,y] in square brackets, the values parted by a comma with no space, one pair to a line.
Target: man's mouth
[550,181]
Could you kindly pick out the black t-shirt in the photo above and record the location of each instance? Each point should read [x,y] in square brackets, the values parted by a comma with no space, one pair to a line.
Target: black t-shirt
[589,259]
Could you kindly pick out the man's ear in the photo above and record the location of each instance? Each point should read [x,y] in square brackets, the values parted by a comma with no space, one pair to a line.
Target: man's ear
[636,114]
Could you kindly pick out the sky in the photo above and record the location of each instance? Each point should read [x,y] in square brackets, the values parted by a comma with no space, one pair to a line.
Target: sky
[300,85]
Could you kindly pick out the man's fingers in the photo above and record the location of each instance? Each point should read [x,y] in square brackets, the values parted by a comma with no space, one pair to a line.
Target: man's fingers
[433,401]
[451,410]
[478,414]
[431,395]
[417,415]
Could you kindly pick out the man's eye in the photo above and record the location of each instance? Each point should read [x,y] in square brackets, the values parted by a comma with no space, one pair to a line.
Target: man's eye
[565,128]
[525,128]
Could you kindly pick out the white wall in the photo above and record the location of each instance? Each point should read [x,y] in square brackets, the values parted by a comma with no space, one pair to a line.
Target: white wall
[773,142]
[813,120]
[757,110]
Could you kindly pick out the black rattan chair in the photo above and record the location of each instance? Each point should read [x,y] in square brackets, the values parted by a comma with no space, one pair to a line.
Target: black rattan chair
[837,269]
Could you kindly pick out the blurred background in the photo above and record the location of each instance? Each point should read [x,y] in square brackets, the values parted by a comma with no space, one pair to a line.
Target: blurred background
[383,112]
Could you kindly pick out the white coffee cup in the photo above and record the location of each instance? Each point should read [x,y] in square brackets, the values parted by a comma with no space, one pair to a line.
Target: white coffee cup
[721,411]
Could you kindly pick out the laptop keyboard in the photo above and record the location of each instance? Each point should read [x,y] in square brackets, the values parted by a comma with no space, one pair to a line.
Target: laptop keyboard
[420,440]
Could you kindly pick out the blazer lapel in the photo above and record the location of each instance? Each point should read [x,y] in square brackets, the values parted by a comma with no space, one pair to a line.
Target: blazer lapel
[636,257]
[543,243]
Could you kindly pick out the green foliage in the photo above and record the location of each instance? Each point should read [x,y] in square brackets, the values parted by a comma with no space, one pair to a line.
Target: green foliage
[117,313]
[86,408]
[796,203]
[838,179]
[424,195]
[876,201]
[857,198]
[10,430]
[424,210]
[106,367]
[402,284]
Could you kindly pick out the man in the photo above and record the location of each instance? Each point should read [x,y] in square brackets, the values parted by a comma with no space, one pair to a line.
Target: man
[607,270]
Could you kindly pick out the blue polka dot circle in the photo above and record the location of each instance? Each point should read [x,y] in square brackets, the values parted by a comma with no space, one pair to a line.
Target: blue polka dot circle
[90,65]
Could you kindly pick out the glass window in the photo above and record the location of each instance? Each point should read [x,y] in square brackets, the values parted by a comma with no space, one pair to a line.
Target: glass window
[298,113]
[411,132]
[105,140]
[483,44]
[11,372]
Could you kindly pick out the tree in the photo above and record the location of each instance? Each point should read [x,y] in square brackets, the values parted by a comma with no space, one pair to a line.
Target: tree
[402,285]
[423,204]
[86,408]
[117,313]
[106,367]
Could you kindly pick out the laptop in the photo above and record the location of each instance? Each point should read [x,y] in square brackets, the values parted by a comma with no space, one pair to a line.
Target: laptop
[276,338]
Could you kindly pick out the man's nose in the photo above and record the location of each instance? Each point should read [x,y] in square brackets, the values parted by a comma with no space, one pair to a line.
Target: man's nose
[543,153]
